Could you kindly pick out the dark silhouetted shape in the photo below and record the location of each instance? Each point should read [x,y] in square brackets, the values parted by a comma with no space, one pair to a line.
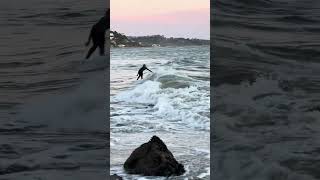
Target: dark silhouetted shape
[140,72]
[115,177]
[153,159]
[97,34]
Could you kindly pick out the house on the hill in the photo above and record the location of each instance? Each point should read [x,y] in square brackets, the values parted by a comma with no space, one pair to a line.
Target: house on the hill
[111,35]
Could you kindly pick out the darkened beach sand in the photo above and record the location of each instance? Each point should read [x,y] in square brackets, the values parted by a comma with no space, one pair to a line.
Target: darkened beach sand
[265,75]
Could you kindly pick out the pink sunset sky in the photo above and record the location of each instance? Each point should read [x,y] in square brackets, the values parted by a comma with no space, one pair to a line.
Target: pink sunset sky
[171,18]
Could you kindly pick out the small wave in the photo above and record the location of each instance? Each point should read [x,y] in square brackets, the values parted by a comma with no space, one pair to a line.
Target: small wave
[297,19]
[81,110]
[173,81]
[206,174]
[72,15]
[18,64]
[169,97]
[94,64]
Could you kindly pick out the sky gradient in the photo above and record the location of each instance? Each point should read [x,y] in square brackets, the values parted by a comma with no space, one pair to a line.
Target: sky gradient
[172,18]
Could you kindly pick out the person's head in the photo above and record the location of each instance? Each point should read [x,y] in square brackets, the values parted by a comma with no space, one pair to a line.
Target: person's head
[144,65]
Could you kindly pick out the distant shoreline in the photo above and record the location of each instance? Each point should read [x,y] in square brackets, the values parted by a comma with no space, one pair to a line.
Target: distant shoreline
[159,46]
[119,40]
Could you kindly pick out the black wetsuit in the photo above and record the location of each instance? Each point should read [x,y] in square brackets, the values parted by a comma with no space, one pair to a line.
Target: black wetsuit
[140,72]
[97,35]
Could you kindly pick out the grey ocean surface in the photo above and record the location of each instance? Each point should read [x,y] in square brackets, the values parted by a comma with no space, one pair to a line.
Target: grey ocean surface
[172,103]
[53,115]
[266,77]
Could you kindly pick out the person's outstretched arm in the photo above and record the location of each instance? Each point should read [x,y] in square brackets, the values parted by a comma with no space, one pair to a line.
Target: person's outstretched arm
[149,70]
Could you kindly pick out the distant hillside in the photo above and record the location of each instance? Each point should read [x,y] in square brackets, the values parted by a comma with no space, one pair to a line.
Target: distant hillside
[163,41]
[121,40]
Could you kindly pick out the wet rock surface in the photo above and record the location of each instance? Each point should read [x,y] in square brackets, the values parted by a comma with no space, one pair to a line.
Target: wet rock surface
[153,159]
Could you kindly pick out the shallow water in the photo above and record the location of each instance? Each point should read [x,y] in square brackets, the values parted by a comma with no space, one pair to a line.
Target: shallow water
[266,89]
[172,103]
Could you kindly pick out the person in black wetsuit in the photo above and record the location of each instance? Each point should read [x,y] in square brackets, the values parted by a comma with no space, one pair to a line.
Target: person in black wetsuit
[97,34]
[140,72]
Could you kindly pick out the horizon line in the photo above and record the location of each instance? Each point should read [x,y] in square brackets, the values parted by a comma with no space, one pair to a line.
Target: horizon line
[161,35]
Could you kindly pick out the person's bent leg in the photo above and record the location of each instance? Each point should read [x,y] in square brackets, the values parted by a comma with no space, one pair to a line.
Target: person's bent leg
[92,49]
[102,49]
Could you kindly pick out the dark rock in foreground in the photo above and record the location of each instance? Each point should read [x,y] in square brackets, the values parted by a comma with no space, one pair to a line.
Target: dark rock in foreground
[153,159]
[115,177]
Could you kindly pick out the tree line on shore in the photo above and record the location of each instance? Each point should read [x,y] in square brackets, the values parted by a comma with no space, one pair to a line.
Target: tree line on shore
[120,40]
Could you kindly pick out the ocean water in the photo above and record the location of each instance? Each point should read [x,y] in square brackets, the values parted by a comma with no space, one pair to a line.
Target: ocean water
[266,75]
[52,104]
[172,103]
